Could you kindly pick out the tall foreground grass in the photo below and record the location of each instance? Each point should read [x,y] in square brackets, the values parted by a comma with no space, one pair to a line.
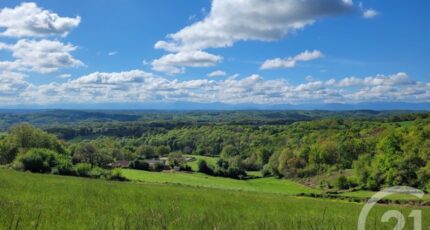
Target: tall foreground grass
[32,201]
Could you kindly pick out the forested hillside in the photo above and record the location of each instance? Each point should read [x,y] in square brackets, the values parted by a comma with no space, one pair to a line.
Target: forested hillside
[382,149]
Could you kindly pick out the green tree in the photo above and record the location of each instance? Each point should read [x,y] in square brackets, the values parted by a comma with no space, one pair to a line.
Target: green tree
[162,150]
[23,137]
[27,136]
[229,151]
[176,159]
[88,153]
[146,152]
[263,156]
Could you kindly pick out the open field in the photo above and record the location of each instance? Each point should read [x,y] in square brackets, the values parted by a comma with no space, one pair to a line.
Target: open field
[34,201]
[194,164]
[406,123]
[269,185]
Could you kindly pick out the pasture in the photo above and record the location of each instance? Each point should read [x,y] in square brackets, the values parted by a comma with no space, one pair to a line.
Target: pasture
[35,201]
[268,185]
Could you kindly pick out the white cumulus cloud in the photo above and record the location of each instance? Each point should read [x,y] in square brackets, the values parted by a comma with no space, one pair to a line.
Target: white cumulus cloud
[291,62]
[236,20]
[138,86]
[11,84]
[240,20]
[29,20]
[370,13]
[43,56]
[175,63]
[218,73]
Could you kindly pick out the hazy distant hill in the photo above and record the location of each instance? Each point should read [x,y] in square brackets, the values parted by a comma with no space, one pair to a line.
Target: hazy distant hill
[52,118]
[222,106]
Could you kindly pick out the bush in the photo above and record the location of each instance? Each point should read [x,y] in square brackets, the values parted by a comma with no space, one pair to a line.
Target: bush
[39,160]
[235,172]
[83,169]
[116,174]
[203,167]
[158,167]
[139,164]
[372,184]
[65,166]
[266,172]
[325,184]
[186,168]
[98,172]
[352,181]
[8,152]
[342,182]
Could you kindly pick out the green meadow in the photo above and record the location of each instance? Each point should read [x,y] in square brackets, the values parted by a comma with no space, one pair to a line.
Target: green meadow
[36,201]
[194,164]
[268,185]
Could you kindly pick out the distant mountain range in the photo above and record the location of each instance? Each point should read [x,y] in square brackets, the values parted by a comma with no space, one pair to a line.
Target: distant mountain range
[221,106]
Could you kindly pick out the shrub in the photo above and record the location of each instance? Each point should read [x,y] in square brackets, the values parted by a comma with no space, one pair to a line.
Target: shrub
[235,172]
[352,181]
[372,184]
[203,167]
[116,174]
[98,172]
[266,172]
[342,182]
[8,152]
[186,168]
[158,166]
[65,166]
[325,184]
[83,169]
[39,160]
[139,164]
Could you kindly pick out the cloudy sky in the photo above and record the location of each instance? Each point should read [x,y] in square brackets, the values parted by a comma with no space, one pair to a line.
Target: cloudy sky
[221,51]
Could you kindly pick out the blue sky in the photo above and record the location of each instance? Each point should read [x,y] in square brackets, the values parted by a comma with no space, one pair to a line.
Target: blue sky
[263,52]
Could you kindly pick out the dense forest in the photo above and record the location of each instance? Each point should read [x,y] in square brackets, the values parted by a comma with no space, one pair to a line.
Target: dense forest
[380,148]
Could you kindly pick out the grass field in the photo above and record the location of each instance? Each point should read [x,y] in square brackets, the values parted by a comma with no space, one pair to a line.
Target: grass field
[34,201]
[406,123]
[270,185]
[194,164]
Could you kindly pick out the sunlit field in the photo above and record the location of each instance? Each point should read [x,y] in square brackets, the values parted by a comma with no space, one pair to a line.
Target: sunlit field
[34,201]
